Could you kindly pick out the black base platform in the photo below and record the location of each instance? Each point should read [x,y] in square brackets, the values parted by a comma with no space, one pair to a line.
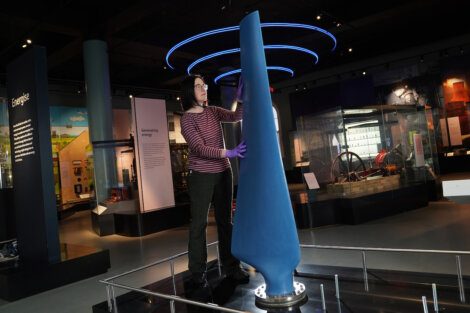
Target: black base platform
[360,209]
[7,215]
[389,291]
[19,280]
[135,225]
[454,164]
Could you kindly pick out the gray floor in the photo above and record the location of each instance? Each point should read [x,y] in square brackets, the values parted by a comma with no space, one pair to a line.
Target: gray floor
[441,225]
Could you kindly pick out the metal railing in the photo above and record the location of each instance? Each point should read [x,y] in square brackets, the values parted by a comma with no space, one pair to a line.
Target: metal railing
[111,285]
[363,251]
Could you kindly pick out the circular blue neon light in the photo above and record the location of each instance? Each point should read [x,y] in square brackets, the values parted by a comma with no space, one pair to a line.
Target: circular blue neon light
[303,26]
[237,50]
[294,48]
[269,68]
[210,56]
[233,28]
[195,37]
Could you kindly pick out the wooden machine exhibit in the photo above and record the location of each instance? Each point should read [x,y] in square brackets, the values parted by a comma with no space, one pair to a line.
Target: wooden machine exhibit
[351,177]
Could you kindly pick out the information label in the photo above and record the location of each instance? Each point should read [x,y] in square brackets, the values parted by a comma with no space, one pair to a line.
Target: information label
[152,151]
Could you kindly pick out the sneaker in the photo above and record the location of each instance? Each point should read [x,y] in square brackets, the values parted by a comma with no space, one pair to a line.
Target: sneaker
[239,275]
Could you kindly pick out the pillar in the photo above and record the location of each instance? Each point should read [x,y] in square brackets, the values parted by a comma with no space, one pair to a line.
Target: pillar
[98,96]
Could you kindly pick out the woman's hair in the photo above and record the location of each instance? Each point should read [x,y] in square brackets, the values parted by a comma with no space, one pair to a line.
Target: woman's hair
[187,89]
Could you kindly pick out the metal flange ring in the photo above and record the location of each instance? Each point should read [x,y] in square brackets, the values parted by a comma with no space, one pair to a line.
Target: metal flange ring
[264,301]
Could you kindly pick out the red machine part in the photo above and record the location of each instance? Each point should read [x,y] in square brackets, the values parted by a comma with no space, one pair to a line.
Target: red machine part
[379,159]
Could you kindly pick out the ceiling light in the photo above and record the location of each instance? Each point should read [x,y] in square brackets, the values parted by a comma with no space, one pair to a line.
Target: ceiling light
[236,28]
[164,67]
[178,98]
[131,96]
[338,24]
[364,73]
[28,41]
[269,68]
[237,50]
[318,17]
[350,50]
[24,46]
[305,86]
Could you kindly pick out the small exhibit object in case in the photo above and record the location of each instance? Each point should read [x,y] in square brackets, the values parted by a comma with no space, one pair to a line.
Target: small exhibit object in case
[311,180]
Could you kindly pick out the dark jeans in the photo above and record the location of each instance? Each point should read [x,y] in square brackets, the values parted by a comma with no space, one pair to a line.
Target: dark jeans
[203,189]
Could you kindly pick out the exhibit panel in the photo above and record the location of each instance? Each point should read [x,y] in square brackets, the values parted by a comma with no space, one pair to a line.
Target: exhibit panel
[153,161]
[72,156]
[151,165]
[74,163]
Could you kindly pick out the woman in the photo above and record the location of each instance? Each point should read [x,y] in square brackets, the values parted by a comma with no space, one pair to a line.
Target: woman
[210,177]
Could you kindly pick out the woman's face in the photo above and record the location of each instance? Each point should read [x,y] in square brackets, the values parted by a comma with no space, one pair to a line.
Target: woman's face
[200,90]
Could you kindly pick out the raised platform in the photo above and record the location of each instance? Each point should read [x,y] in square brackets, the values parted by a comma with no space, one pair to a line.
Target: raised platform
[134,224]
[19,279]
[360,209]
[70,208]
[7,216]
[454,164]
[389,291]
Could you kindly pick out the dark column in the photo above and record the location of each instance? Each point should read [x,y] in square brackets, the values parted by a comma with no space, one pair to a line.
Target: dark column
[31,152]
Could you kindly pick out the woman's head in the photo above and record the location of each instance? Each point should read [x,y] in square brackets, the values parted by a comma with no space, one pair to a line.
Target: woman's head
[194,91]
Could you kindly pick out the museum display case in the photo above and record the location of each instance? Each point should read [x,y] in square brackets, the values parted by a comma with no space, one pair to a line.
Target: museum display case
[454,124]
[366,150]
[179,164]
[366,160]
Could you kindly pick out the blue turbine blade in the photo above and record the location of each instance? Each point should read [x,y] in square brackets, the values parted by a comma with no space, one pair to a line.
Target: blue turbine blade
[264,233]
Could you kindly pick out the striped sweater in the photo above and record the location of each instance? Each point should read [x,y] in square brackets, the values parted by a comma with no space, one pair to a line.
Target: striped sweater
[203,133]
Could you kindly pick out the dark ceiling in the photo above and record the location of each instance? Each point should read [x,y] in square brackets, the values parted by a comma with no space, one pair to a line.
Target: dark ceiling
[140,33]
